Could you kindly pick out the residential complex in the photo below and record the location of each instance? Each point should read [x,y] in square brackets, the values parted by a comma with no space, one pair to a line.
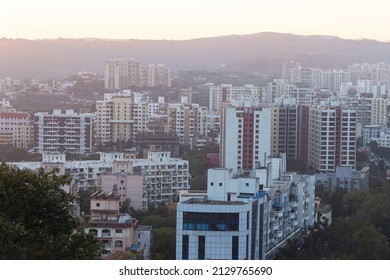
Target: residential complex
[244,217]
[332,137]
[123,73]
[245,137]
[63,132]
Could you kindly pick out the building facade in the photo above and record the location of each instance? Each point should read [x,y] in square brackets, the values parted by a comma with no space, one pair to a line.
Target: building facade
[332,137]
[63,132]
[245,137]
[123,73]
[244,217]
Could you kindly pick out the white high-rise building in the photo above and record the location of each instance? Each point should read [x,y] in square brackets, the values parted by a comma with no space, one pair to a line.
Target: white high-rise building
[333,79]
[225,93]
[245,137]
[379,111]
[332,137]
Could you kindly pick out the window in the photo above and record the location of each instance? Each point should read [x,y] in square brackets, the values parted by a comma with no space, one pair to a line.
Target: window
[184,249]
[234,247]
[201,247]
[118,231]
[118,244]
[97,204]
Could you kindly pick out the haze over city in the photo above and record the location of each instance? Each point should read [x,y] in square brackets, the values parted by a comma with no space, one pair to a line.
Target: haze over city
[181,20]
[195,130]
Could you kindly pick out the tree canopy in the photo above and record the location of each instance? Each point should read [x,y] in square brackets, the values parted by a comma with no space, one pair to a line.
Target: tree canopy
[37,220]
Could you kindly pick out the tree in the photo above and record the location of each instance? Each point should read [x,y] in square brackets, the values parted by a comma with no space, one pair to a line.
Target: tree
[37,219]
[165,248]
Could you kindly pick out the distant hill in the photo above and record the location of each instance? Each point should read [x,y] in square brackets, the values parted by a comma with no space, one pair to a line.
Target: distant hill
[261,53]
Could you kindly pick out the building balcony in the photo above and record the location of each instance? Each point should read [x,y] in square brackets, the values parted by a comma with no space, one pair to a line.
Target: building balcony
[106,234]
[278,213]
[293,204]
[275,226]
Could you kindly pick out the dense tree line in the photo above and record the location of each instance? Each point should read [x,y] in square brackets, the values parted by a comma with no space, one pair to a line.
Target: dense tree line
[163,222]
[361,228]
[199,164]
[37,220]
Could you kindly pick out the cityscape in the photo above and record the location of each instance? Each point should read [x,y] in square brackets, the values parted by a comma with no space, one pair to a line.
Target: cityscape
[264,155]
[194,145]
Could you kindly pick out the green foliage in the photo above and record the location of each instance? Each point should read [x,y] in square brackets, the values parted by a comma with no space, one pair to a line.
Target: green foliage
[361,157]
[165,243]
[360,230]
[157,217]
[163,222]
[295,165]
[37,220]
[8,154]
[199,164]
[125,255]
[70,156]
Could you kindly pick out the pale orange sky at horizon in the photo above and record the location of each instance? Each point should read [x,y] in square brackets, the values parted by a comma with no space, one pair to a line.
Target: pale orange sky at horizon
[182,20]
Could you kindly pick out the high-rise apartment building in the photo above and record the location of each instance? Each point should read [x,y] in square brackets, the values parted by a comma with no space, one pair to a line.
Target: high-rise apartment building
[379,72]
[287,66]
[123,73]
[63,132]
[333,79]
[220,95]
[285,127]
[306,77]
[16,129]
[245,137]
[332,137]
[379,111]
[188,122]
[121,116]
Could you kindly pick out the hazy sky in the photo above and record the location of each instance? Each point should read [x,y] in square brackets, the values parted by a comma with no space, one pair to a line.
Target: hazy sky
[187,19]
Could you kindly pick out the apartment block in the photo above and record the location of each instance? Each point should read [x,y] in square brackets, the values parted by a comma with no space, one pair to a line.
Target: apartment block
[63,132]
[123,73]
[16,129]
[243,217]
[285,127]
[225,93]
[121,116]
[188,122]
[332,137]
[245,137]
[379,115]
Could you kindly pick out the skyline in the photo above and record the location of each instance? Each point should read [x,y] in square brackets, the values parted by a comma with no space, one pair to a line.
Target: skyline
[175,20]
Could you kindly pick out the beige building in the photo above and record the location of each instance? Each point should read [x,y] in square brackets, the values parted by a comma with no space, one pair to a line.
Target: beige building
[126,185]
[119,117]
[117,233]
[187,122]
[16,129]
[123,73]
